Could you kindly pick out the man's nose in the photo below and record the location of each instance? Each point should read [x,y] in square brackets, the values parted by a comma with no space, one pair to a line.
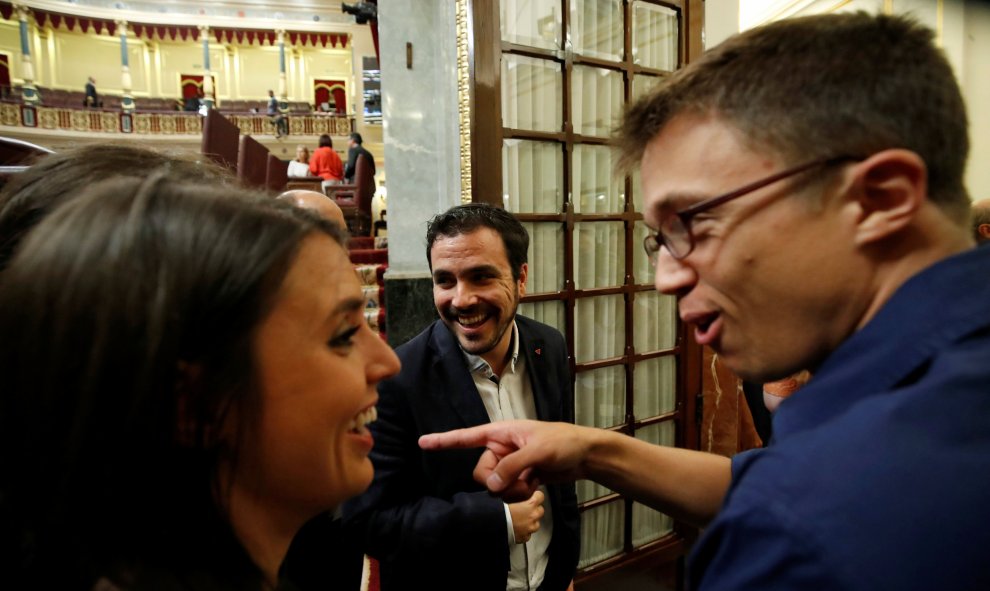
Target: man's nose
[673,277]
[464,295]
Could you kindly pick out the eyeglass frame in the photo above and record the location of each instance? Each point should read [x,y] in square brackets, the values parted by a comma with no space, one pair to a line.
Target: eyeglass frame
[653,241]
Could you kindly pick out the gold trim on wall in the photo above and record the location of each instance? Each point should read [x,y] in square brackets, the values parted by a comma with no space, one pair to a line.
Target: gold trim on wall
[462,20]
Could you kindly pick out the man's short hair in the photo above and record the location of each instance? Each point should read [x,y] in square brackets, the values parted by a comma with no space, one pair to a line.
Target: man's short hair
[325,141]
[464,219]
[823,86]
[357,138]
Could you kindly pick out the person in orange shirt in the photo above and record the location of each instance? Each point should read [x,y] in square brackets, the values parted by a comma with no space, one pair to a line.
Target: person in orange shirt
[326,163]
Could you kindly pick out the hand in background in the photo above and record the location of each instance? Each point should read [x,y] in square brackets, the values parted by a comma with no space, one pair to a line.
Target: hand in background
[526,516]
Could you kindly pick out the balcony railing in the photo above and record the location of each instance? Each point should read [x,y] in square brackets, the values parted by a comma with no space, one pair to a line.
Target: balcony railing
[162,122]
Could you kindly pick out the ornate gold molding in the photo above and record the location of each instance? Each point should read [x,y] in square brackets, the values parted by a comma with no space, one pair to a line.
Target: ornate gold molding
[463,33]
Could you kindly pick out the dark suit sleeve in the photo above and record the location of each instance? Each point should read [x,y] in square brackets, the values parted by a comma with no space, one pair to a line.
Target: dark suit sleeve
[416,517]
[352,155]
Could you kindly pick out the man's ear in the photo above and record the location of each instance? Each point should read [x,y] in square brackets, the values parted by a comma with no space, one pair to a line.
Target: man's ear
[890,189]
[523,273]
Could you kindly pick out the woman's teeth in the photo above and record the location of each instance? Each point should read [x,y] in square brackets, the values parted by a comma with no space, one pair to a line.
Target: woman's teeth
[360,422]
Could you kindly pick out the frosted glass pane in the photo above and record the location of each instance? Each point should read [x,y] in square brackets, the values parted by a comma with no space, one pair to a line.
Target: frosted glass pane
[654,316]
[599,254]
[531,22]
[649,524]
[596,28]
[642,83]
[588,490]
[600,397]
[596,100]
[657,433]
[599,327]
[654,387]
[598,189]
[545,256]
[655,38]
[532,176]
[531,93]
[601,533]
[551,313]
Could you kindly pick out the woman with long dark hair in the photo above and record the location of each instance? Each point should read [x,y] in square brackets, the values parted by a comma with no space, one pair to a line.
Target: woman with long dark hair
[187,375]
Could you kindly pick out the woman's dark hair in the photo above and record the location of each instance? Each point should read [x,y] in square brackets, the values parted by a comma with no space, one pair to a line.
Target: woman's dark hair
[56,178]
[128,317]
[464,219]
[326,141]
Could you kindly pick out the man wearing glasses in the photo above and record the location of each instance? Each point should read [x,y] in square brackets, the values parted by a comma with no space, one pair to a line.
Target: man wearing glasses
[804,184]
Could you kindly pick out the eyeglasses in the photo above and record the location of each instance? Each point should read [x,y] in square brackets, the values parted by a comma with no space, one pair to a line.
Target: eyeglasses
[675,227]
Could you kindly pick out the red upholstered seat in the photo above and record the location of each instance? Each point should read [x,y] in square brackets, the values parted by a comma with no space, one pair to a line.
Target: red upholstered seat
[277,173]
[220,140]
[355,200]
[252,162]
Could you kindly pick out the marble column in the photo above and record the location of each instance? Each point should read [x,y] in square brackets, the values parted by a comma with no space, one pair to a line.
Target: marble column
[126,99]
[204,32]
[422,149]
[29,93]
[283,98]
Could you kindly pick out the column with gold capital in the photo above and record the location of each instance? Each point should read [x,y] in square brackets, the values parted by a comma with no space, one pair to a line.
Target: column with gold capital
[283,95]
[126,100]
[28,91]
[204,31]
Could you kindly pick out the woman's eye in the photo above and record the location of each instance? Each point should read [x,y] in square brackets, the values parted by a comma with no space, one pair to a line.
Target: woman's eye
[344,339]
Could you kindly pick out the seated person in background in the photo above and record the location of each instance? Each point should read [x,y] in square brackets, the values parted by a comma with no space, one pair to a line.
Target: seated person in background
[190,104]
[300,166]
[57,178]
[355,149]
[325,163]
[220,402]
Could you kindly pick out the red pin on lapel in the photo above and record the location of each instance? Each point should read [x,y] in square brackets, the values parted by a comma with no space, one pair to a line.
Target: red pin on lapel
[538,351]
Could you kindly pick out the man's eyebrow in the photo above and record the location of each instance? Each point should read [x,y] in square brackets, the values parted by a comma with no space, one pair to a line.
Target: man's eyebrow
[487,268]
[680,200]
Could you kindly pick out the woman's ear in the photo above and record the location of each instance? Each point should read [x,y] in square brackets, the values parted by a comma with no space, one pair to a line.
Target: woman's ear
[890,188]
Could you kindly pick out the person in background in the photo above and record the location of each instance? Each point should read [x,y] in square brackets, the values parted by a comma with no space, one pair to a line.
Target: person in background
[424,518]
[981,220]
[91,99]
[276,116]
[316,202]
[355,149]
[221,400]
[777,391]
[300,166]
[325,163]
[804,185]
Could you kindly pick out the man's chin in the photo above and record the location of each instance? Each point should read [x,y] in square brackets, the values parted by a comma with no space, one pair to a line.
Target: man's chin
[474,347]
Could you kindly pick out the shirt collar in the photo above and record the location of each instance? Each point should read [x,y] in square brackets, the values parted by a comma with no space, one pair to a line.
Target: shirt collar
[937,307]
[477,364]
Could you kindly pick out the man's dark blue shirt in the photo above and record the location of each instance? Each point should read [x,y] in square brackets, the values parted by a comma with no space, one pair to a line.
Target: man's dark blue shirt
[878,476]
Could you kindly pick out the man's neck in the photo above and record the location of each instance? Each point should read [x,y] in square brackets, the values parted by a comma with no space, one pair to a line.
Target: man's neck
[498,357]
